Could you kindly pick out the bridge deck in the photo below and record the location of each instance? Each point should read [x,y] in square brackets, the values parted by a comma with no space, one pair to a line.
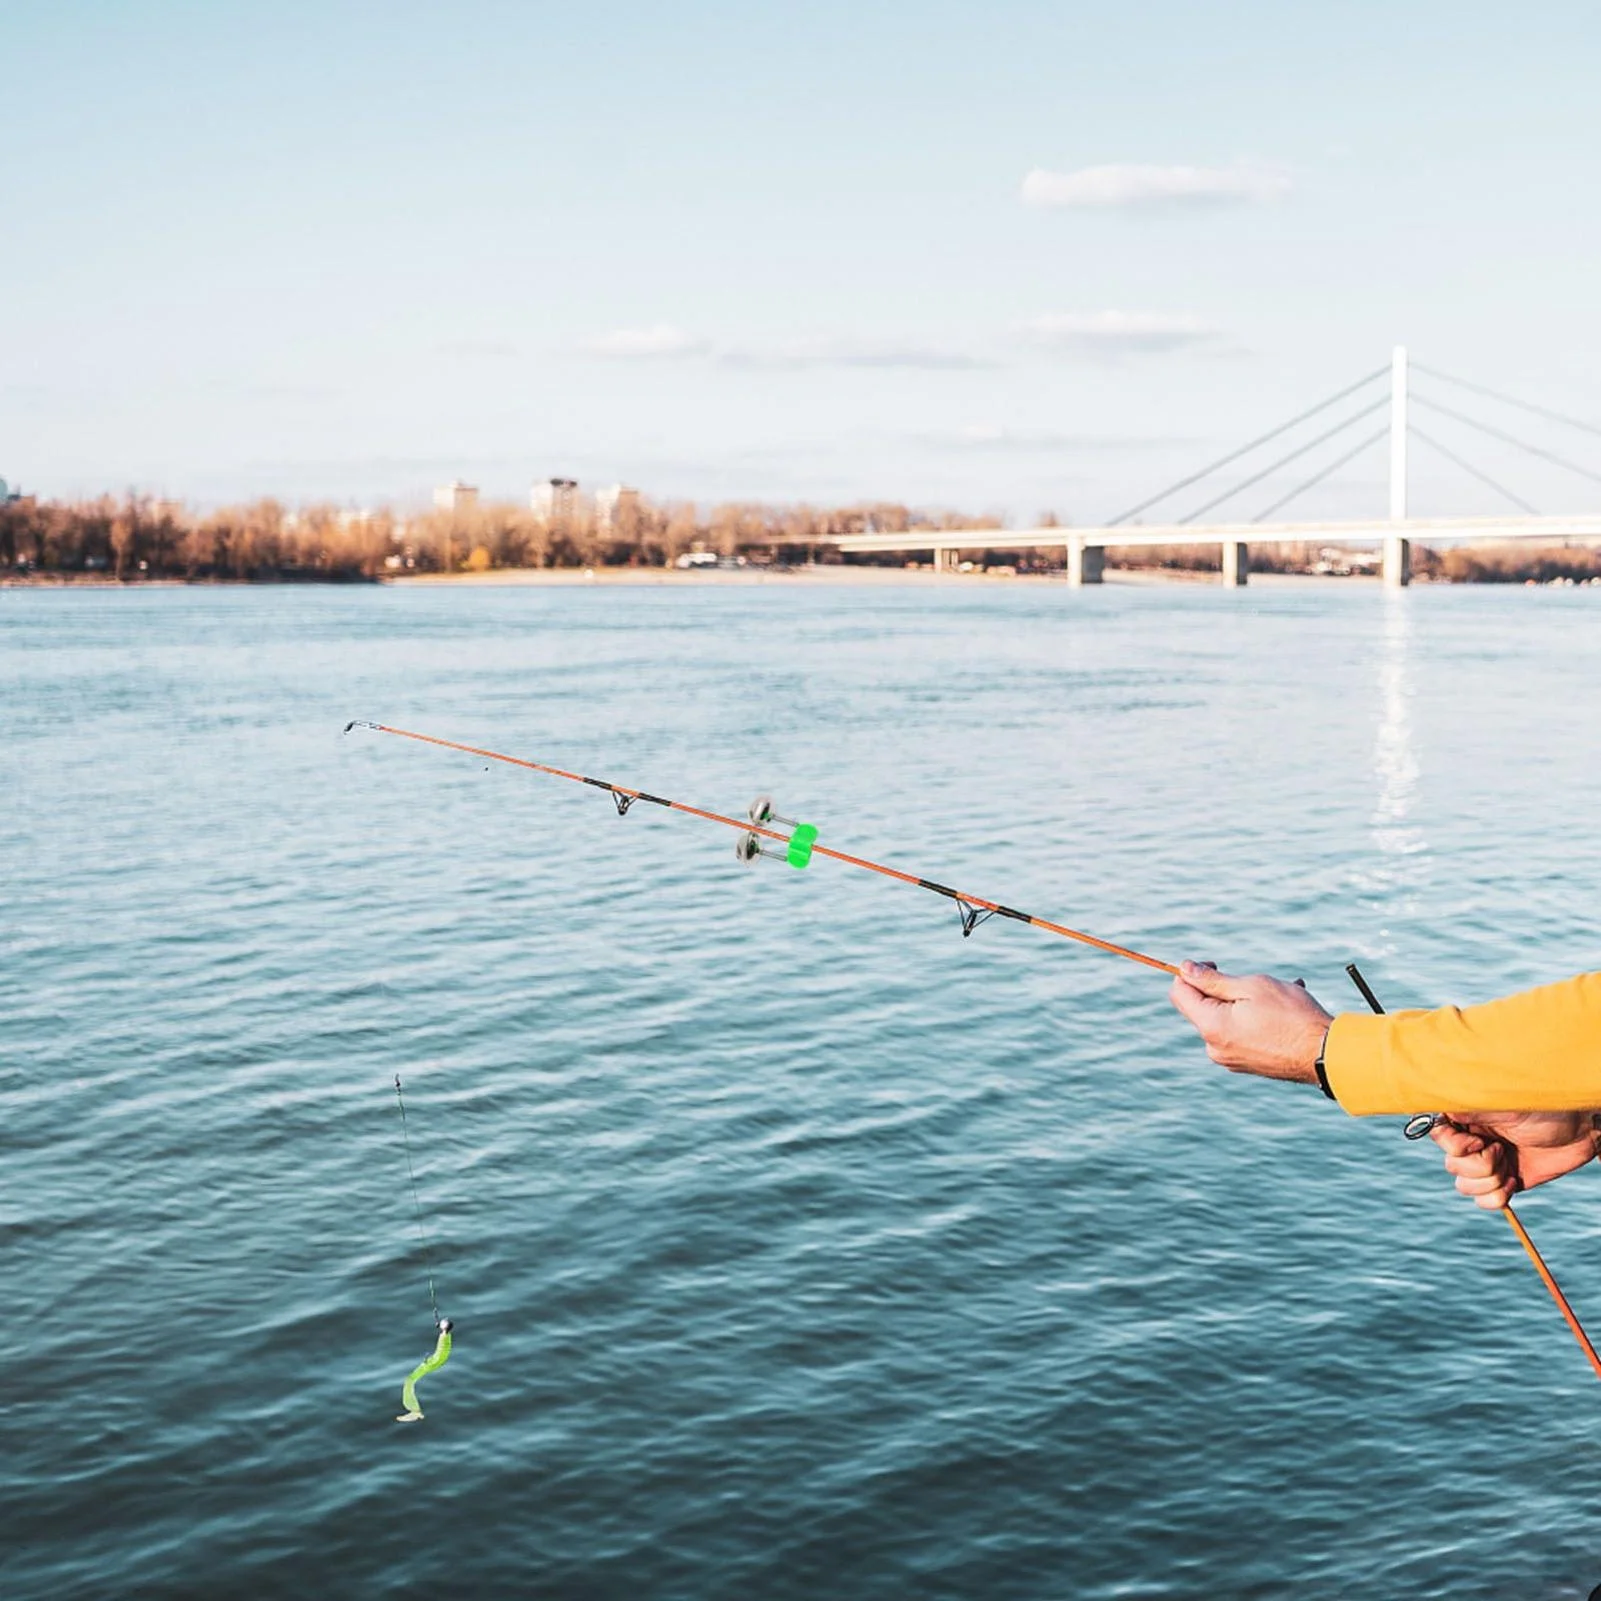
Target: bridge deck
[1443,530]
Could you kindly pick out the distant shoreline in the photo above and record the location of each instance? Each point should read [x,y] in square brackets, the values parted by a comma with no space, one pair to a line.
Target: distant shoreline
[580,578]
[138,540]
[514,577]
[831,575]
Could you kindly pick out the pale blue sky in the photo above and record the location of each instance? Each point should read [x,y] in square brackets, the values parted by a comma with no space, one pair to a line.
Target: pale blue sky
[729,250]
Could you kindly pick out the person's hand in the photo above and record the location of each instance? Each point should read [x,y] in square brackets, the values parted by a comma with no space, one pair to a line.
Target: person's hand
[1255,1025]
[1496,1154]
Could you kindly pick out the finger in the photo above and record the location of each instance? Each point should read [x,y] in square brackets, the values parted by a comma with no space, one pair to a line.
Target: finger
[1480,1186]
[1456,1141]
[1480,1164]
[1206,978]
[1496,1200]
[1198,1009]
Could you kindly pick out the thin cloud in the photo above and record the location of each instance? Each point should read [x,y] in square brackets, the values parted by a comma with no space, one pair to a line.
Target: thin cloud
[1124,186]
[479,349]
[1119,333]
[1013,441]
[660,343]
[851,352]
[665,342]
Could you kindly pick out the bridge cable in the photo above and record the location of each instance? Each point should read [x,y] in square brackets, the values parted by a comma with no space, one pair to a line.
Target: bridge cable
[1245,450]
[1510,439]
[1508,400]
[1313,482]
[1468,467]
[1284,461]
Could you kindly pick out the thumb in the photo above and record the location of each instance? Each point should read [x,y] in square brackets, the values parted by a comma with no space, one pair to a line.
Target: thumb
[1206,978]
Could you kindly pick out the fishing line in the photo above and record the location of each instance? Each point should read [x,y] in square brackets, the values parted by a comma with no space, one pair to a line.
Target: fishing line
[422,1232]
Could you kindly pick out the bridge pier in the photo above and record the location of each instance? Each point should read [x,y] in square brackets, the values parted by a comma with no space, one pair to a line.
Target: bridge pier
[1085,562]
[944,559]
[1397,561]
[1236,563]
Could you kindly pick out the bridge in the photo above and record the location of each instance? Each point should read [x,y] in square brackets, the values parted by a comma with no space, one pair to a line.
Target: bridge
[1085,548]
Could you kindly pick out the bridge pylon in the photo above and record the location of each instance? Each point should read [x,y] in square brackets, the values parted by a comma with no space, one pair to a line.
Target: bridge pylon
[1397,548]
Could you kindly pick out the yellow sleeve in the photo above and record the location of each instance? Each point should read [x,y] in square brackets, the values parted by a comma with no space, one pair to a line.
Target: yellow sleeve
[1535,1052]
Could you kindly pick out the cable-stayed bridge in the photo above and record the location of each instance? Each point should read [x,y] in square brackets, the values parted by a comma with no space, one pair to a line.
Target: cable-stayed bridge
[1363,402]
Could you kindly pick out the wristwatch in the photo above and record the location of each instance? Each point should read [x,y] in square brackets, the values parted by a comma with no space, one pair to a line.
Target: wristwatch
[1322,1072]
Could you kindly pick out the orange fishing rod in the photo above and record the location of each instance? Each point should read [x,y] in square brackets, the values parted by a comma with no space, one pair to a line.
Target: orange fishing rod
[801,845]
[1549,1279]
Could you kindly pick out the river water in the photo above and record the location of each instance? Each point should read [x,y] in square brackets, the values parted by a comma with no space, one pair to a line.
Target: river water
[798,1247]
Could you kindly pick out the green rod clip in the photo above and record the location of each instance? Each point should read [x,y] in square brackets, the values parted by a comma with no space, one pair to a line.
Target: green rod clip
[800,845]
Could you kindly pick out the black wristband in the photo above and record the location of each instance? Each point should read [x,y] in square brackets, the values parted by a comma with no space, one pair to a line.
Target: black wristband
[1320,1070]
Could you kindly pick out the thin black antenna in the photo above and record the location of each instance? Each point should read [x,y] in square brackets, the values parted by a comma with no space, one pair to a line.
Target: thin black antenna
[1362,984]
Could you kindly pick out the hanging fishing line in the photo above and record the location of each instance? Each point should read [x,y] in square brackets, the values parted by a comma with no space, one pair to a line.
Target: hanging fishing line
[422,1231]
[442,1340]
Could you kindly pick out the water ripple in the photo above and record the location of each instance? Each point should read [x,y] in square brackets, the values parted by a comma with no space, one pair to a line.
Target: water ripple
[798,1246]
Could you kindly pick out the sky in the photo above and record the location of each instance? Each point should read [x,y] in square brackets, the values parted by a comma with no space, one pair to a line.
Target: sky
[1006,257]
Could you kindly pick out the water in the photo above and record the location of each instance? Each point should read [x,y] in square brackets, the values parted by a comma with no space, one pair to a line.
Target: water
[798,1247]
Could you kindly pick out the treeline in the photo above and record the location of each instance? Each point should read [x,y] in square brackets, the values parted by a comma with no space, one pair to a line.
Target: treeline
[1299,558]
[141,538]
[1506,564]
[1460,564]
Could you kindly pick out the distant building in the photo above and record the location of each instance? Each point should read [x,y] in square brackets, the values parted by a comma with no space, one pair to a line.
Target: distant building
[555,500]
[616,508]
[456,496]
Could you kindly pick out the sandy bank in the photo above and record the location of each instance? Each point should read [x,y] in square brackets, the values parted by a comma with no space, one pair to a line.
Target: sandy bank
[568,577]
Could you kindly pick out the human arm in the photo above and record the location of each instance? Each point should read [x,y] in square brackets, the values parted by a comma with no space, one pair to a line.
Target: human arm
[1264,1026]
[1539,1051]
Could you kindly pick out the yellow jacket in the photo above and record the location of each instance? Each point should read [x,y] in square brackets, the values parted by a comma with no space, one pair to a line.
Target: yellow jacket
[1535,1052]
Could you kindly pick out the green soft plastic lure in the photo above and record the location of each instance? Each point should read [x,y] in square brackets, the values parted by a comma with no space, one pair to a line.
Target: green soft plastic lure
[430,1364]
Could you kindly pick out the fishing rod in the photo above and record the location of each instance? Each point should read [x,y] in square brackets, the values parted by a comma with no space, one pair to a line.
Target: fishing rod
[800,846]
[1424,1124]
